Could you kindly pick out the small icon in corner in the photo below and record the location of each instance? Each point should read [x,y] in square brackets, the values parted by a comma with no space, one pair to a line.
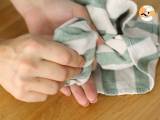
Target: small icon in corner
[147,13]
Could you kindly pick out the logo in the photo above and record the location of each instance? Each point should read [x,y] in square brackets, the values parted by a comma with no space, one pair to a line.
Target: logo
[147,13]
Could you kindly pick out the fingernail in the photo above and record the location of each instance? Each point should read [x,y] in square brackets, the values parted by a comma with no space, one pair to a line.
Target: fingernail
[79,70]
[82,61]
[68,94]
[93,101]
[86,105]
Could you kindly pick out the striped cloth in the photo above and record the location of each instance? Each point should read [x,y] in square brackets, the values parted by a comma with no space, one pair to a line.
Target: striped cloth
[126,62]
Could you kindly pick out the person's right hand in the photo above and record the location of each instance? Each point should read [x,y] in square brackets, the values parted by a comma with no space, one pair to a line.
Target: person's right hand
[33,67]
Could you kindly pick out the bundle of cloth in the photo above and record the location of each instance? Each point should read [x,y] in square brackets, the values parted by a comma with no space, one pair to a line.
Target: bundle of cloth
[126,62]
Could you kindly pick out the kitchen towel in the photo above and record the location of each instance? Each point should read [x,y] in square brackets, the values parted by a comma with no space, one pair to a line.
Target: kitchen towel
[126,62]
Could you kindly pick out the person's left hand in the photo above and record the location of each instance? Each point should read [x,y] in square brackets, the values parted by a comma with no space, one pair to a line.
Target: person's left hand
[43,17]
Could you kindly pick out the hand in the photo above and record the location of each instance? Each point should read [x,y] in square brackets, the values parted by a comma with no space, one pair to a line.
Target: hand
[30,76]
[85,94]
[43,17]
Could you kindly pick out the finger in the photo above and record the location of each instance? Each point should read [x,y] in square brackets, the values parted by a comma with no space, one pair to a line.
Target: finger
[59,53]
[79,95]
[100,41]
[66,91]
[33,97]
[54,71]
[81,11]
[42,85]
[94,64]
[90,90]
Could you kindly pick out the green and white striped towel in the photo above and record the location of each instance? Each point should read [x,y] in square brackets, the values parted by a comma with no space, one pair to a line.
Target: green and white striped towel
[128,58]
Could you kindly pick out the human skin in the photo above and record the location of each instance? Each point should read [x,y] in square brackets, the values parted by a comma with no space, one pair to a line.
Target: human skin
[43,17]
[30,76]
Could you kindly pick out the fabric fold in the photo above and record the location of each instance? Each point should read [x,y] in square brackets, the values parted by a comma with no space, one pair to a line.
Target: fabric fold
[77,35]
[126,63]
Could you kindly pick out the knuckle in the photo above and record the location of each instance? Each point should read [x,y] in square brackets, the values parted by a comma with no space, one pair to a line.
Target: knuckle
[65,73]
[26,67]
[32,46]
[67,58]
[55,89]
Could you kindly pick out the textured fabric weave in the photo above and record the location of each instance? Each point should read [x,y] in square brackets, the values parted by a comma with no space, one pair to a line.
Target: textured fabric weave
[127,60]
